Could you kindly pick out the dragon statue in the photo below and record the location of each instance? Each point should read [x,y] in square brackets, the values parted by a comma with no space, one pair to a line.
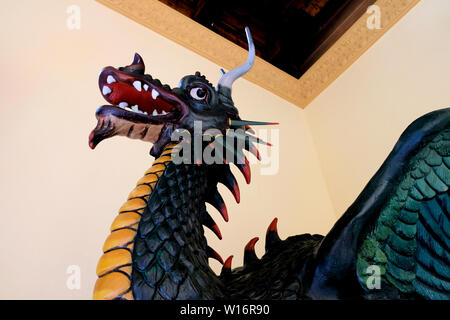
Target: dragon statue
[392,243]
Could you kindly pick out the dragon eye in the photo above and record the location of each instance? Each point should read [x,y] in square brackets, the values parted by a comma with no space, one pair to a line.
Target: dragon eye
[198,93]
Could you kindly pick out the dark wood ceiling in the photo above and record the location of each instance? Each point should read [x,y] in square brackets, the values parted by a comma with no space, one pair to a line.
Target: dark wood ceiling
[290,34]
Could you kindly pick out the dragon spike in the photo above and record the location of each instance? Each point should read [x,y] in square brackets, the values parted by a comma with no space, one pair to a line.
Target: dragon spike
[245,170]
[137,65]
[240,123]
[272,237]
[226,268]
[215,199]
[208,222]
[228,150]
[216,230]
[249,129]
[229,181]
[211,253]
[137,59]
[229,77]
[258,140]
[249,252]
[248,138]
[250,147]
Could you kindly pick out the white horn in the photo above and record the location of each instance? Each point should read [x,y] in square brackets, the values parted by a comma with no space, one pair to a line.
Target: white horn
[231,76]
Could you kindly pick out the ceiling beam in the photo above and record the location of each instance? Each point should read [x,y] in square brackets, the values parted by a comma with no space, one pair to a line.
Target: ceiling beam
[190,34]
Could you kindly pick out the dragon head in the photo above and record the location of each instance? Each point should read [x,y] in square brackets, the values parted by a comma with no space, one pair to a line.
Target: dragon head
[142,108]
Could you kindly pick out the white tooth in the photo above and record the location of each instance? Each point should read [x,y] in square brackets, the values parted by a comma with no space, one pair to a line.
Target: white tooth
[145,112]
[106,90]
[163,112]
[123,105]
[155,113]
[110,79]
[146,87]
[137,85]
[154,93]
[135,108]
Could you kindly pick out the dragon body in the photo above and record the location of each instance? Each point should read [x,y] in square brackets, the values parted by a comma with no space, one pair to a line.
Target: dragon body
[392,243]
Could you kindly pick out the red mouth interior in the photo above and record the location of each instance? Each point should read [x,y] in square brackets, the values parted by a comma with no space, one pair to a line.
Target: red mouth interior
[127,91]
[123,92]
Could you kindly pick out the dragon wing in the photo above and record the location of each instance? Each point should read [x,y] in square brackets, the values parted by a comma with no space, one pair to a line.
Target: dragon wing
[399,224]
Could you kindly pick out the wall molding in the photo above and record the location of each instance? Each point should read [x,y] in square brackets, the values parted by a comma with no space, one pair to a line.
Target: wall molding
[193,36]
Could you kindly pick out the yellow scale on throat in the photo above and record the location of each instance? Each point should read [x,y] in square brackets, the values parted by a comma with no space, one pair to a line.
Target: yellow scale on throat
[115,265]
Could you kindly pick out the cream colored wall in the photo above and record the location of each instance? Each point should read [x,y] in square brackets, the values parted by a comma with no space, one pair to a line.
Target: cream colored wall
[59,197]
[357,120]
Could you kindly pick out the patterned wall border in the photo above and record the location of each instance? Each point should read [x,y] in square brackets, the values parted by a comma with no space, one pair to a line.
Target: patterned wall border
[188,33]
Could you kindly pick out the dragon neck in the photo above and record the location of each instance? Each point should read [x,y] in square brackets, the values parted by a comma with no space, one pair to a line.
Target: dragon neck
[115,266]
[157,248]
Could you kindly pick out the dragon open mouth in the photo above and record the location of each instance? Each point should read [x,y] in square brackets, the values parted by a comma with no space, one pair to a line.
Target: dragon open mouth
[140,106]
[136,95]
